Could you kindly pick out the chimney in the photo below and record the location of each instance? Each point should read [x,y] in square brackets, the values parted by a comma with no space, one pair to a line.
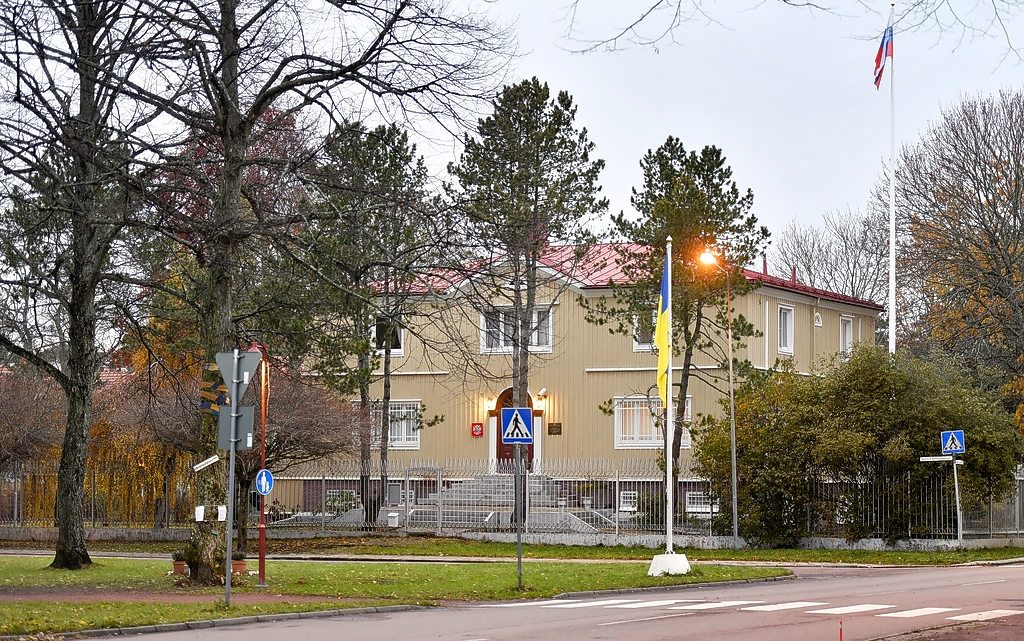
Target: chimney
[764,264]
[793,277]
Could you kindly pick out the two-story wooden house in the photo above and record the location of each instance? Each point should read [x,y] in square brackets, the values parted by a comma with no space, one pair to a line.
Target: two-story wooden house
[575,368]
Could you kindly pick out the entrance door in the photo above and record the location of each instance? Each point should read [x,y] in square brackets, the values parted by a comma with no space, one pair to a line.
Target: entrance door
[506,451]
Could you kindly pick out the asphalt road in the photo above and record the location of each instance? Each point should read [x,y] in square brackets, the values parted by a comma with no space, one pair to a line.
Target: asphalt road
[820,604]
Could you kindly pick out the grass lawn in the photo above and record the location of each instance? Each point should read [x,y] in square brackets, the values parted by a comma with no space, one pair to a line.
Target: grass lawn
[440,546]
[356,583]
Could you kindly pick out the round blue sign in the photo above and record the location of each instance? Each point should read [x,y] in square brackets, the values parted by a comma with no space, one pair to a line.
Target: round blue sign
[264,482]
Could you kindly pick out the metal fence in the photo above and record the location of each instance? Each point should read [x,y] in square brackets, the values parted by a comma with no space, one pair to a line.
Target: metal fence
[562,496]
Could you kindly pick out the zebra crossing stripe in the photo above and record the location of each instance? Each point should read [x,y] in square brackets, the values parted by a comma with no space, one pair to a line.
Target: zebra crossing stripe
[589,604]
[520,604]
[985,616]
[655,604]
[850,609]
[792,605]
[711,606]
[919,612]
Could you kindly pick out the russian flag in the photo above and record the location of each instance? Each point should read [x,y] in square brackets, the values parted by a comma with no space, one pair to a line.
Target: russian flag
[884,51]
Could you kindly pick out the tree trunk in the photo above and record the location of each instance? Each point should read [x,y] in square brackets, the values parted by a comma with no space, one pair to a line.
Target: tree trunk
[385,431]
[87,251]
[365,430]
[205,552]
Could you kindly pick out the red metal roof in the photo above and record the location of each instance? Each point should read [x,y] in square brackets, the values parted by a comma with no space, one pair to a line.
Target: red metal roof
[600,266]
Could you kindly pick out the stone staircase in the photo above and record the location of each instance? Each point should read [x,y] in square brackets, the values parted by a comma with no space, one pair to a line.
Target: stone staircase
[486,503]
[496,490]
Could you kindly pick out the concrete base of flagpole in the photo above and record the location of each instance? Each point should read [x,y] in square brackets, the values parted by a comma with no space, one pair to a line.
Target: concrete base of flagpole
[669,564]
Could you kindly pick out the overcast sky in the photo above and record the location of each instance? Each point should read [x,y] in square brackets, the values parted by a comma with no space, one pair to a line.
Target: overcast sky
[785,92]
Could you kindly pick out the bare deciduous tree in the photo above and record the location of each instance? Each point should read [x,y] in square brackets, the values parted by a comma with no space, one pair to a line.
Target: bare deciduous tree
[846,255]
[69,144]
[960,197]
[656,22]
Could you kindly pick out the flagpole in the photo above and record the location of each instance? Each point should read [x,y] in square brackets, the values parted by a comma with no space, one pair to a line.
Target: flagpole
[669,422]
[892,195]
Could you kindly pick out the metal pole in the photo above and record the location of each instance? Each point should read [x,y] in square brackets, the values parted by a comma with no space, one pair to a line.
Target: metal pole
[670,424]
[518,486]
[235,413]
[264,398]
[732,418]
[959,520]
[440,507]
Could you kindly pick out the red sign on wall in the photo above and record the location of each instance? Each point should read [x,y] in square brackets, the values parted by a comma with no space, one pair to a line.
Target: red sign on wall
[477,429]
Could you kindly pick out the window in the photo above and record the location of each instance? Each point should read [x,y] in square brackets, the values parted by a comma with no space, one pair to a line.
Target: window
[785,329]
[628,500]
[498,328]
[636,427]
[643,333]
[845,336]
[700,504]
[387,333]
[403,432]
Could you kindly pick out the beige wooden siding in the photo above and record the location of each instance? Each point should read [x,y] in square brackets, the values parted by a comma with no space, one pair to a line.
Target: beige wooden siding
[587,367]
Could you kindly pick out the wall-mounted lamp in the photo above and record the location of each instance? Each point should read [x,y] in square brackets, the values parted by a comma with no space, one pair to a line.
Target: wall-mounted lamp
[542,393]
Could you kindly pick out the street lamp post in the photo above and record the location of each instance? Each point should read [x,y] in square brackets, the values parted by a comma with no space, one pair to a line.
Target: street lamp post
[709,258]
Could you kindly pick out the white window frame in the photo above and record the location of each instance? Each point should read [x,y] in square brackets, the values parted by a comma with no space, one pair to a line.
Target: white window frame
[400,350]
[542,330]
[847,347]
[700,503]
[786,331]
[652,439]
[405,413]
[640,346]
[628,500]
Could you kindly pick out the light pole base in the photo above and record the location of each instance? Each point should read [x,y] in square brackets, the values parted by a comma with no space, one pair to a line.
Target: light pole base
[669,564]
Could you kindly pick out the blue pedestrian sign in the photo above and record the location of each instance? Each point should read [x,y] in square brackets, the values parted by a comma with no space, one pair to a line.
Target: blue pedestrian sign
[264,482]
[517,425]
[953,442]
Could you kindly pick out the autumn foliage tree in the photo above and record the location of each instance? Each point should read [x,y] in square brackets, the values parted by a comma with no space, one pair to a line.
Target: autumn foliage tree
[960,193]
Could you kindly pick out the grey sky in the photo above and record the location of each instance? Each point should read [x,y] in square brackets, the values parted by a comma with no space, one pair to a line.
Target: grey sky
[786,92]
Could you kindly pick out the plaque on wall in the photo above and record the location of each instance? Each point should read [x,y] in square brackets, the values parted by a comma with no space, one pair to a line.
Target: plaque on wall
[555,428]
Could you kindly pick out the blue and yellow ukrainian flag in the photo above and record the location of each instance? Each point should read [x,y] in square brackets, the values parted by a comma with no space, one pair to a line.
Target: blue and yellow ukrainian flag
[661,335]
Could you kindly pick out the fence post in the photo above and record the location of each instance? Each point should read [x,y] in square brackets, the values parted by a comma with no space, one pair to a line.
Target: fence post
[1016,506]
[440,511]
[17,477]
[92,499]
[405,501]
[323,500]
[615,502]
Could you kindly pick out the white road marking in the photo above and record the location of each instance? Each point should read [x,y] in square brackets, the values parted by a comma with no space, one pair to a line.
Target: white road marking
[850,609]
[663,616]
[520,604]
[792,605]
[711,606]
[655,604]
[964,585]
[985,616]
[589,604]
[919,612]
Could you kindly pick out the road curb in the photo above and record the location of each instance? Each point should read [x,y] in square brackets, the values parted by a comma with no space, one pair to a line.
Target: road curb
[211,623]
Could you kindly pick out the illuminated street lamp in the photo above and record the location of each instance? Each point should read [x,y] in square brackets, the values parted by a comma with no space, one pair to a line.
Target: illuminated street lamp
[710,259]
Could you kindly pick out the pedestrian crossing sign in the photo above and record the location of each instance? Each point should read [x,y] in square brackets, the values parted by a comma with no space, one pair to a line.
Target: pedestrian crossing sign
[517,425]
[953,442]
